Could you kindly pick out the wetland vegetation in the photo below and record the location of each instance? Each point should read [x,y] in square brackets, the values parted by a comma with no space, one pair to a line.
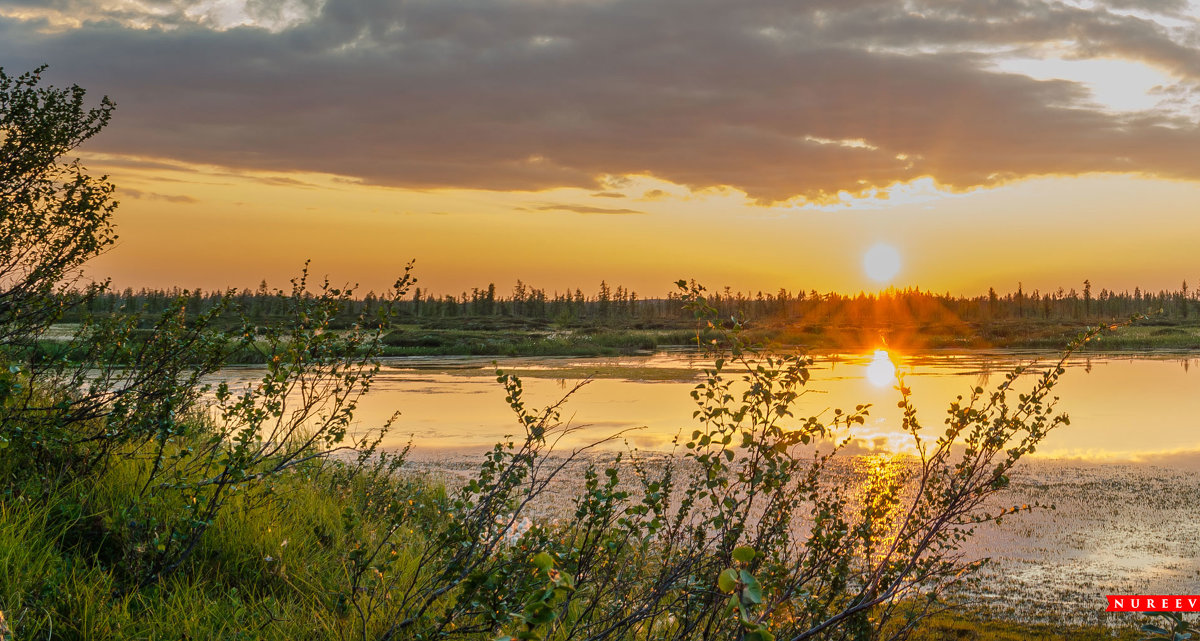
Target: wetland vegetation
[532,322]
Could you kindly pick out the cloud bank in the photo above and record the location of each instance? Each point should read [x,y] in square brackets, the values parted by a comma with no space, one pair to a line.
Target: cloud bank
[781,99]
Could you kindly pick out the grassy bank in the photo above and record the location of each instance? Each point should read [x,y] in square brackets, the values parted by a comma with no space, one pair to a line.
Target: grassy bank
[281,570]
[277,571]
[421,341]
[980,625]
[480,339]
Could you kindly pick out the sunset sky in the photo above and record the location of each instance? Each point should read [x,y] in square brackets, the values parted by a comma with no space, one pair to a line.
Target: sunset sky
[752,143]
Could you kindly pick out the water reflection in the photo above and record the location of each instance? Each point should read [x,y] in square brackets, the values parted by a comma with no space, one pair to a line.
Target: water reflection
[1121,406]
[881,372]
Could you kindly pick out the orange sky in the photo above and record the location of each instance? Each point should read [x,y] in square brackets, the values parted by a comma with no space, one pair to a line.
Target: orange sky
[1044,233]
[757,145]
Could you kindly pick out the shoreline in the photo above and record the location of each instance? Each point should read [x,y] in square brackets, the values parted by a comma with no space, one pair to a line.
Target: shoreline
[601,341]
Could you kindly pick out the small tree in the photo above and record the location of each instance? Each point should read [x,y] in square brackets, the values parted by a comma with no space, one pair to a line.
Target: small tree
[112,381]
[120,389]
[54,217]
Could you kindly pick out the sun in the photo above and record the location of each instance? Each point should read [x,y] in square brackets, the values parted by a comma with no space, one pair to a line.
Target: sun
[882,262]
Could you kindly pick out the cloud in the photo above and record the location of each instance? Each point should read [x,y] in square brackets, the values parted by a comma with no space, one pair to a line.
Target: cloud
[777,98]
[276,181]
[584,209]
[149,195]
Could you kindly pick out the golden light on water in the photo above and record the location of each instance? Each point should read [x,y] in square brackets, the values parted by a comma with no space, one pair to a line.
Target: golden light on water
[880,492]
[881,372]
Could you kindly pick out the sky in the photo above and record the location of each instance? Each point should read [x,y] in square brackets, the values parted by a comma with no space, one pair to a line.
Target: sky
[757,144]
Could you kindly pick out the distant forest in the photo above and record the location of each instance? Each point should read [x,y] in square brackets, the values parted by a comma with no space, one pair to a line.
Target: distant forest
[619,307]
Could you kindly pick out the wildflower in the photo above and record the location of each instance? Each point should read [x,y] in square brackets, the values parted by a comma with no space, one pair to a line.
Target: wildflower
[515,531]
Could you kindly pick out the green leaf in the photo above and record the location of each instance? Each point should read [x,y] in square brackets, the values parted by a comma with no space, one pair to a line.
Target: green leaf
[744,554]
[727,581]
[753,594]
[543,561]
[753,590]
[730,605]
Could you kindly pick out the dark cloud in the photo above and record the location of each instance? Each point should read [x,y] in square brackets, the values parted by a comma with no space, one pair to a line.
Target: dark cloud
[779,98]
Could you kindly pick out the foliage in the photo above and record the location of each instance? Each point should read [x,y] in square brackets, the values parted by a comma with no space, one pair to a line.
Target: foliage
[118,390]
[53,216]
[1179,628]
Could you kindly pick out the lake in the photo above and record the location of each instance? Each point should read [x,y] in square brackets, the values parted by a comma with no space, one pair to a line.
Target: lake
[1123,407]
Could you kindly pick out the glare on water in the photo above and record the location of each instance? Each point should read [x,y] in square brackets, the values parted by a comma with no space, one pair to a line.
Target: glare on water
[881,372]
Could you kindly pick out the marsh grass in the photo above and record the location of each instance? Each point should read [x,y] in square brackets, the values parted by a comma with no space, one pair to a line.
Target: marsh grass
[974,624]
[578,342]
[276,571]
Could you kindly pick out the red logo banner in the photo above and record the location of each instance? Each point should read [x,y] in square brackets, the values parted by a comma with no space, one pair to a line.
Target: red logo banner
[1154,603]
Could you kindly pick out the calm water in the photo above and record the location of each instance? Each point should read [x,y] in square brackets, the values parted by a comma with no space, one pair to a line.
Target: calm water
[1122,407]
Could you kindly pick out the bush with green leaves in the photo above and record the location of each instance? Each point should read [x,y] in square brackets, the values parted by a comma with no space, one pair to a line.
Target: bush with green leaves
[118,390]
[54,217]
[1178,628]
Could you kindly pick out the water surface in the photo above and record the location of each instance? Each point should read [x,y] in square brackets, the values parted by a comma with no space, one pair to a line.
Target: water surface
[1123,407]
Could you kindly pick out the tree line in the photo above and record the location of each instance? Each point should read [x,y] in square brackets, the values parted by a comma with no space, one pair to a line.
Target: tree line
[621,306]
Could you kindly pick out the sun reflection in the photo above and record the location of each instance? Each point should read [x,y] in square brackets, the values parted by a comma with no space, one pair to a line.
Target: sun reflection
[881,372]
[881,490]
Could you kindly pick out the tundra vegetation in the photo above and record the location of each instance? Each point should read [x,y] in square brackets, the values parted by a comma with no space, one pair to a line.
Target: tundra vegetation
[533,322]
[139,502]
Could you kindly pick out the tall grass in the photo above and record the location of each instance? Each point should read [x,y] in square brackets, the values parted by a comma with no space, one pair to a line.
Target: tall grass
[274,572]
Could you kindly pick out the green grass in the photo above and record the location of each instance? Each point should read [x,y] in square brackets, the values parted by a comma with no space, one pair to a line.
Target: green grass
[632,373]
[1010,334]
[978,625]
[582,342]
[274,572]
[1007,334]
